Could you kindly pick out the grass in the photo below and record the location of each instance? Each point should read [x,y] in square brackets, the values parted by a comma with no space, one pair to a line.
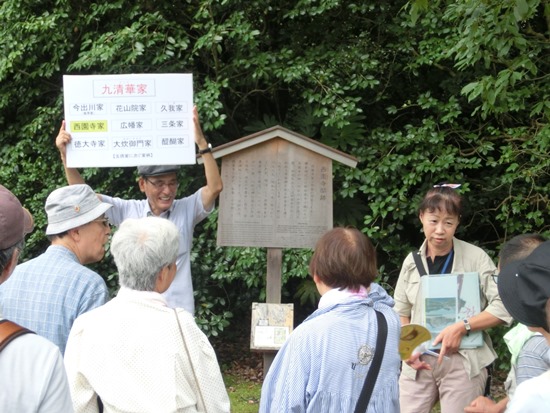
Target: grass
[243,394]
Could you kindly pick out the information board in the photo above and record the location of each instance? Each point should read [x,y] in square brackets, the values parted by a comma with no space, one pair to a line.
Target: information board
[277,195]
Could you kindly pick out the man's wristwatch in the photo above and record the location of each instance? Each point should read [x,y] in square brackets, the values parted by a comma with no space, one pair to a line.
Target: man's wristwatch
[467,326]
[208,149]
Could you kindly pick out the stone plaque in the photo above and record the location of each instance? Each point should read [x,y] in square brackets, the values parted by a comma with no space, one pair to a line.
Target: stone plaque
[277,195]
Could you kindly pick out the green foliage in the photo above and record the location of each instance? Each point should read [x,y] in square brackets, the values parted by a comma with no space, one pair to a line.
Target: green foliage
[419,91]
[210,322]
[307,293]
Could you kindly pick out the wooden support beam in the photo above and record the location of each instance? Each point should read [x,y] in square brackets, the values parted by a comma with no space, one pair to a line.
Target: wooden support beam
[273,290]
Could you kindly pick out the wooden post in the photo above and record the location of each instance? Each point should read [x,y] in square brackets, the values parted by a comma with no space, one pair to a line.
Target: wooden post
[273,290]
[274,275]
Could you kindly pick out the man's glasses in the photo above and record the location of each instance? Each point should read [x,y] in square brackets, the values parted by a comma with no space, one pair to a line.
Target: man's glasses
[494,275]
[160,184]
[103,221]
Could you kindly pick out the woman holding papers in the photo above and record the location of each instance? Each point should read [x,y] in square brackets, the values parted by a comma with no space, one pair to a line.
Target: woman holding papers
[461,377]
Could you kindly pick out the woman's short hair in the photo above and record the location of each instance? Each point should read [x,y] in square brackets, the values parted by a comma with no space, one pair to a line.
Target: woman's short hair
[442,197]
[141,248]
[344,258]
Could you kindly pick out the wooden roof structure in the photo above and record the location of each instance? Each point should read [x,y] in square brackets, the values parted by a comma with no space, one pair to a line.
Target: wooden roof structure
[286,134]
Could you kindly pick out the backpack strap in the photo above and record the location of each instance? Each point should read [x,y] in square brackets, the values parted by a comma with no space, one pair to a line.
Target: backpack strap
[9,331]
[419,264]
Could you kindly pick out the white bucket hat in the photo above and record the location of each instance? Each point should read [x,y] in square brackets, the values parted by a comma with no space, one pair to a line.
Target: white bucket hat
[72,206]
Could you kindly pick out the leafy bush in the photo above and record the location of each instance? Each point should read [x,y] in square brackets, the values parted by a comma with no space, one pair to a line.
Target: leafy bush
[420,92]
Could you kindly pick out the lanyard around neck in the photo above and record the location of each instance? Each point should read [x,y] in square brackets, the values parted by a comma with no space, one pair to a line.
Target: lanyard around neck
[444,269]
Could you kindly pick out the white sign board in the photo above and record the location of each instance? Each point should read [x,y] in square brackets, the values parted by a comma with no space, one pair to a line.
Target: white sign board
[270,336]
[129,120]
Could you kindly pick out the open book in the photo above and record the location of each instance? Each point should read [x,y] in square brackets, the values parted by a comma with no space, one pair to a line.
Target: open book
[448,298]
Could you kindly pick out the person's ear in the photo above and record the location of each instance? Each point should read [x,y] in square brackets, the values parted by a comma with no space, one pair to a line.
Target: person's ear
[316,278]
[74,234]
[163,273]
[321,286]
[160,282]
[141,183]
[10,266]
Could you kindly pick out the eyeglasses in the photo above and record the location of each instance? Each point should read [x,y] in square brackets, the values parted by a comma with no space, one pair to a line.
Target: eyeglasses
[494,276]
[160,184]
[103,221]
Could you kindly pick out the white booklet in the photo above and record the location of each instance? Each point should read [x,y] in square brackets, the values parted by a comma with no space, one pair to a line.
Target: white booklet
[448,298]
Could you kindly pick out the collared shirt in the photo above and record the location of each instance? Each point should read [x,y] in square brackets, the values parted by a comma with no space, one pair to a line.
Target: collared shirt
[47,293]
[322,366]
[131,354]
[32,377]
[467,258]
[185,213]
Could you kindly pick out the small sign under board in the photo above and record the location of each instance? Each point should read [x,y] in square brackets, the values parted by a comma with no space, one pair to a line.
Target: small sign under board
[271,325]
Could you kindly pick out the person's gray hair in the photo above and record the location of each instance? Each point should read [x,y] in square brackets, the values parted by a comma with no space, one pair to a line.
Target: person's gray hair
[7,254]
[141,248]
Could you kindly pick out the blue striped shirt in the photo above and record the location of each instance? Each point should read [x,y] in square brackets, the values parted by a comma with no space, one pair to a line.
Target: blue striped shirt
[534,359]
[323,364]
[47,293]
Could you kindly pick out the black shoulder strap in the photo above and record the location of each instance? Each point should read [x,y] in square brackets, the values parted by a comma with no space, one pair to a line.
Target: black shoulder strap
[9,331]
[372,374]
[419,264]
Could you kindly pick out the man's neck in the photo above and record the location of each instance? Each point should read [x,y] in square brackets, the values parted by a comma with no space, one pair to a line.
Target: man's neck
[67,242]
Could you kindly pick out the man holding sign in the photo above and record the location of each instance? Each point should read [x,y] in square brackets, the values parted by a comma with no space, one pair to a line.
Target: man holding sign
[160,184]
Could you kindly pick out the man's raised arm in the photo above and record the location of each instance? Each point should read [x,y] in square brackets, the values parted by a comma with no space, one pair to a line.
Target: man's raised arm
[61,141]
[214,184]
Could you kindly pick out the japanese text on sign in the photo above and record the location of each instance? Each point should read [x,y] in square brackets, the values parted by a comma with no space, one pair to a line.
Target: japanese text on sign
[129,120]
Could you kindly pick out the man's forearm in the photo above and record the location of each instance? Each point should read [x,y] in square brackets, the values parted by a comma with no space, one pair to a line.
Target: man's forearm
[73,176]
[214,184]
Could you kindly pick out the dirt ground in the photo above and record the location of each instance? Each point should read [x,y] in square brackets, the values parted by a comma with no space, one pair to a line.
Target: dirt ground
[235,357]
